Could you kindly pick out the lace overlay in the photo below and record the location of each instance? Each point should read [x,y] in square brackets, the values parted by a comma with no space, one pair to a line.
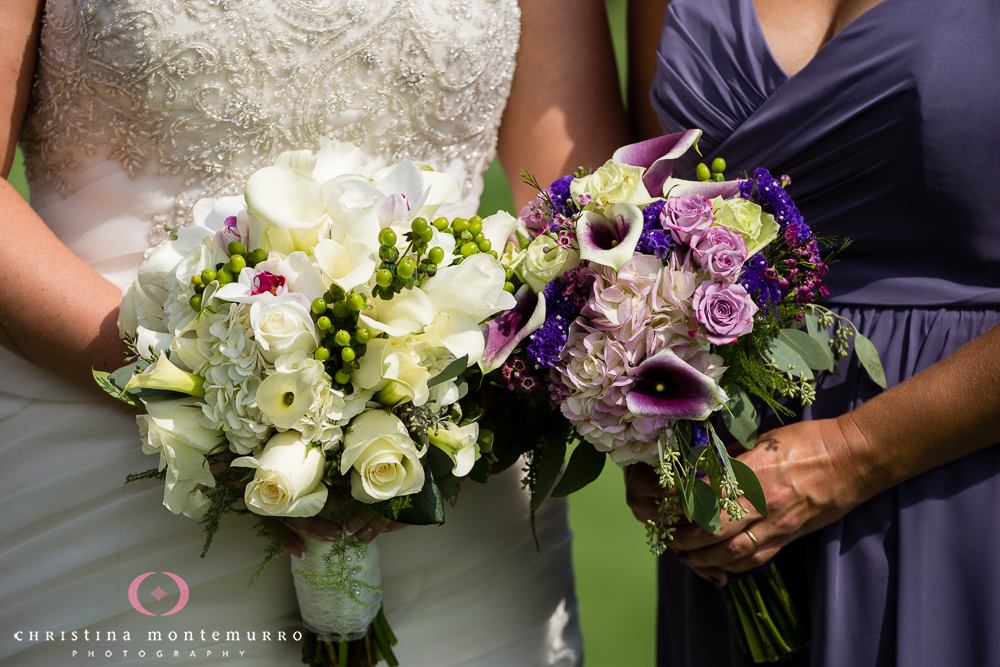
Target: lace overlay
[208,91]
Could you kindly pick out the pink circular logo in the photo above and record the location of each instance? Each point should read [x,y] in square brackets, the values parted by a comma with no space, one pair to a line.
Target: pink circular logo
[159,594]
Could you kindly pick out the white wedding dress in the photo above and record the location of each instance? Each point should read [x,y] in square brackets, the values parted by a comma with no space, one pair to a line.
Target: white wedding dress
[140,108]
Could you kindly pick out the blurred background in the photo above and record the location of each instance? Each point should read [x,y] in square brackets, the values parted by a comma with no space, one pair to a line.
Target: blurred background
[615,574]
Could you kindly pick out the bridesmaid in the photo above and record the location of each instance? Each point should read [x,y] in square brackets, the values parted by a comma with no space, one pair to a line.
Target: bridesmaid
[882,505]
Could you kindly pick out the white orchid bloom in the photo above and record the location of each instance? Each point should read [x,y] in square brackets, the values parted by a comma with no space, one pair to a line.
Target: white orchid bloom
[347,265]
[407,313]
[255,286]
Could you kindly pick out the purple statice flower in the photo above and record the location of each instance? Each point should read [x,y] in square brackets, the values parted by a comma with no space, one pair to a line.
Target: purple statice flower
[699,435]
[654,239]
[546,344]
[762,284]
[562,200]
[765,190]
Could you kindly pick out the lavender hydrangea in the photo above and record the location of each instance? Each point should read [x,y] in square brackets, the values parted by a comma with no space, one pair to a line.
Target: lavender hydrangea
[560,310]
[654,240]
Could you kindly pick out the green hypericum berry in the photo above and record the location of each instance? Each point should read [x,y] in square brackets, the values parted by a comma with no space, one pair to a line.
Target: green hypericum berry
[460,224]
[257,256]
[324,323]
[198,289]
[342,376]
[718,165]
[405,268]
[363,335]
[207,276]
[237,248]
[431,270]
[319,306]
[237,263]
[343,338]
[355,302]
[340,310]
[509,286]
[469,249]
[507,273]
[195,303]
[475,224]
[436,255]
[426,235]
[388,253]
[321,353]
[196,281]
[336,293]
[703,172]
[347,354]
[419,226]
[383,278]
[484,245]
[387,236]
[719,178]
[441,223]
[225,276]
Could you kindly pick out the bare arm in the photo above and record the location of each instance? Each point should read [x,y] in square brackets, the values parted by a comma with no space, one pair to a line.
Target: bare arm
[565,107]
[645,21]
[815,472]
[55,310]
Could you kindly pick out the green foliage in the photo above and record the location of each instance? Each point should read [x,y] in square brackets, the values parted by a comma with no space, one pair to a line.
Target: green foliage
[152,473]
[338,573]
[585,465]
[275,546]
[224,498]
[392,507]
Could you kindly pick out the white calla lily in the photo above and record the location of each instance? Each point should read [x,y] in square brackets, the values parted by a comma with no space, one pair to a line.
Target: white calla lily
[458,442]
[285,397]
[285,198]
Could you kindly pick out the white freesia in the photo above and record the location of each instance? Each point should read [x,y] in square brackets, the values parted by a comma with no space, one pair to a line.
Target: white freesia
[459,443]
[289,477]
[347,265]
[544,261]
[474,288]
[283,328]
[383,459]
[406,313]
[286,395]
[403,363]
[173,429]
[456,332]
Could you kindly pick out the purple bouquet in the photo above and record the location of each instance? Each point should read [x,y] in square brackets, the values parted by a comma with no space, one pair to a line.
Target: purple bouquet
[652,312]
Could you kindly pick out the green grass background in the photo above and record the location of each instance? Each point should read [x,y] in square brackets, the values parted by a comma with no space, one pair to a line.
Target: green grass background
[615,574]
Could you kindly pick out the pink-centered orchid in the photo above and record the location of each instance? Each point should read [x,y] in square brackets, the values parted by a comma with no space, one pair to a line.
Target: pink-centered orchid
[667,386]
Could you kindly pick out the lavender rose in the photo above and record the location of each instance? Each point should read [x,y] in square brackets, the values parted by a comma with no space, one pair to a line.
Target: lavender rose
[726,311]
[703,241]
[686,215]
[723,262]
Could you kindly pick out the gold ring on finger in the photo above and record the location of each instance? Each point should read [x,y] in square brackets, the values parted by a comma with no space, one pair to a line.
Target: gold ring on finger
[753,539]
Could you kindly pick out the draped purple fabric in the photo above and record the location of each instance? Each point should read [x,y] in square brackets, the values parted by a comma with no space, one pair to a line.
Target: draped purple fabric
[891,136]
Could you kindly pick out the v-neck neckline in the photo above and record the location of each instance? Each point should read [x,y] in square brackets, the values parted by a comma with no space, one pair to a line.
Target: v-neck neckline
[770,54]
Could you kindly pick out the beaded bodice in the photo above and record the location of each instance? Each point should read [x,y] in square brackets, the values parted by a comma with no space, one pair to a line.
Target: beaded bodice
[207,91]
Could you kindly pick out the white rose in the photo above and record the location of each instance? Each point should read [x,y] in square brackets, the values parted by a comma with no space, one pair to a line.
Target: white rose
[287,395]
[282,328]
[459,443]
[544,261]
[611,184]
[289,477]
[173,429]
[383,460]
[157,273]
[755,226]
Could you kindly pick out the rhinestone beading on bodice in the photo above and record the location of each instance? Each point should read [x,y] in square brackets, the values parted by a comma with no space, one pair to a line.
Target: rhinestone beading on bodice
[208,91]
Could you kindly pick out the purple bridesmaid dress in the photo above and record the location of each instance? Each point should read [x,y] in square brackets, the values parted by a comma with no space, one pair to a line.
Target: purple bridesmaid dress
[891,136]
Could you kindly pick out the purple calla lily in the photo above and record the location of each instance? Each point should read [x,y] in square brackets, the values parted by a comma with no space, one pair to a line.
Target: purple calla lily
[657,156]
[667,386]
[609,241]
[675,187]
[506,331]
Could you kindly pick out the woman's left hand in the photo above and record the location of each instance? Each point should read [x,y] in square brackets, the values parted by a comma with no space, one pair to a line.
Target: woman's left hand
[808,480]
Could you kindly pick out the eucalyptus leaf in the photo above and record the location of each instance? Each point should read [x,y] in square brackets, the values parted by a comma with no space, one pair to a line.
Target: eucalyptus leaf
[750,486]
[722,454]
[428,505]
[822,336]
[740,418]
[786,359]
[103,380]
[705,508]
[808,348]
[450,372]
[480,472]
[585,465]
[549,464]
[868,356]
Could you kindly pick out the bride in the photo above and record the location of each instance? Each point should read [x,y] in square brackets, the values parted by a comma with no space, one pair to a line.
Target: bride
[128,112]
